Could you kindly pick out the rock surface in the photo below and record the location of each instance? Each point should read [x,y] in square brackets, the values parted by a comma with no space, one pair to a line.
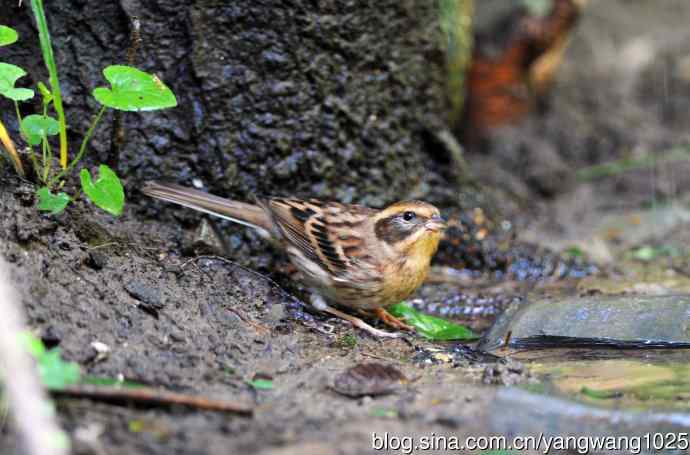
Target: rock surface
[625,320]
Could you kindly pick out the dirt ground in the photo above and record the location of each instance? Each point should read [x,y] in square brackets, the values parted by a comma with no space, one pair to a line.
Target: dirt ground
[208,327]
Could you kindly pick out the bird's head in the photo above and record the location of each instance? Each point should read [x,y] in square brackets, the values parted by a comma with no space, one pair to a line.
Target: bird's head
[410,228]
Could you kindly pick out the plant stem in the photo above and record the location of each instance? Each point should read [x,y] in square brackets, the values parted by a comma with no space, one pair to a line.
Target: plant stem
[87,138]
[19,114]
[82,148]
[6,141]
[47,161]
[44,149]
[117,138]
[49,59]
[34,161]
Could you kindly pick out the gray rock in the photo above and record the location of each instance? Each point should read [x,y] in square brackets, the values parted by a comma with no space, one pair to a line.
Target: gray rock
[618,321]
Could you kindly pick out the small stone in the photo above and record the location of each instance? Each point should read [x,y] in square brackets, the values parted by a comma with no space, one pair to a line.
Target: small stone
[508,372]
[96,260]
[51,337]
[369,379]
[102,350]
[150,298]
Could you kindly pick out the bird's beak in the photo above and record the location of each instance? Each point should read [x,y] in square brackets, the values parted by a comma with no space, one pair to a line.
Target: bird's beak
[435,224]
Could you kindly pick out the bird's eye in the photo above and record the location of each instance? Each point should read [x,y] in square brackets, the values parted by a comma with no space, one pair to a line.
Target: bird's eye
[409,216]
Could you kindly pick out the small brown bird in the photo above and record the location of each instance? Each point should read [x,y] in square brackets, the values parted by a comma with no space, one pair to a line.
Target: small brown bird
[349,255]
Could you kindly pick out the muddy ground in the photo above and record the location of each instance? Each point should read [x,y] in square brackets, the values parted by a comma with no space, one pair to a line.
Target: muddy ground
[209,327]
[205,327]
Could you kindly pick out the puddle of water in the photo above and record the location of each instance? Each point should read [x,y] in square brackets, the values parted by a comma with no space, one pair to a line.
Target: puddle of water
[658,380]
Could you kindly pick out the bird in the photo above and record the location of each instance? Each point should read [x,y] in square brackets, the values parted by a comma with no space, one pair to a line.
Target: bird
[350,256]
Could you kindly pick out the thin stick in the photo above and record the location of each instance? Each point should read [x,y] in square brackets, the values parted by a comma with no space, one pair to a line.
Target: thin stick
[151,396]
[258,327]
[117,138]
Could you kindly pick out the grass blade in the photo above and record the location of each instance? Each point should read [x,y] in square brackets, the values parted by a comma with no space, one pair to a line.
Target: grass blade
[49,59]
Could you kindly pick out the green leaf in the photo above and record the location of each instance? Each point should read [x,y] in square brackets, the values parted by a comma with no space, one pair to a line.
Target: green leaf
[32,344]
[53,203]
[45,93]
[134,90]
[261,384]
[8,77]
[111,382]
[645,253]
[36,127]
[106,192]
[55,373]
[8,35]
[600,394]
[431,327]
[383,412]
[574,252]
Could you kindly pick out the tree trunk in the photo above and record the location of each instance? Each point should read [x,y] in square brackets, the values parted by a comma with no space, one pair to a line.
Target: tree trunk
[316,98]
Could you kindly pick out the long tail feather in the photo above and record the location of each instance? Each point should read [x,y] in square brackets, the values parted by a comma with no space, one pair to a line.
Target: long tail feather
[238,212]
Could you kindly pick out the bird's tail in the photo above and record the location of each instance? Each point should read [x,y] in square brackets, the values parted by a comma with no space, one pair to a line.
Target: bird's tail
[239,212]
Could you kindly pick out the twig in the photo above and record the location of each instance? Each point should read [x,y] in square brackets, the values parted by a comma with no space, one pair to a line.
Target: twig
[117,139]
[148,395]
[248,270]
[103,245]
[258,327]
[378,357]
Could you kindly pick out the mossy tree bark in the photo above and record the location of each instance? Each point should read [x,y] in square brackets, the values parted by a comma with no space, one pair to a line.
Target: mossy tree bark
[328,98]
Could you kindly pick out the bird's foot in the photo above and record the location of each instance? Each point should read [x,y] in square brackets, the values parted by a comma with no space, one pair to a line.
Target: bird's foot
[391,320]
[319,303]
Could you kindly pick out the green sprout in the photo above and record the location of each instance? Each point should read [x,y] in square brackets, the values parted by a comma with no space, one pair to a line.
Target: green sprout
[261,384]
[55,372]
[130,90]
[347,341]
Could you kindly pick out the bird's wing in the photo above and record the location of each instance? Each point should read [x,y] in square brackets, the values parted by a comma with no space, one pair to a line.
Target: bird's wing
[328,234]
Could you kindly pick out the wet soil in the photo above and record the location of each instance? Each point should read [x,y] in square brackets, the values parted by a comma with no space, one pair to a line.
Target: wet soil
[209,327]
[206,327]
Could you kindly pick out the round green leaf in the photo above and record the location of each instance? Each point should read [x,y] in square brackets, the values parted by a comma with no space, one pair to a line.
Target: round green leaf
[53,203]
[36,127]
[8,76]
[8,35]
[134,90]
[106,192]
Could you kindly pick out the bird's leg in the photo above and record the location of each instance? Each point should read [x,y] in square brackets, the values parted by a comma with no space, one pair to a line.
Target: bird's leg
[320,304]
[391,320]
